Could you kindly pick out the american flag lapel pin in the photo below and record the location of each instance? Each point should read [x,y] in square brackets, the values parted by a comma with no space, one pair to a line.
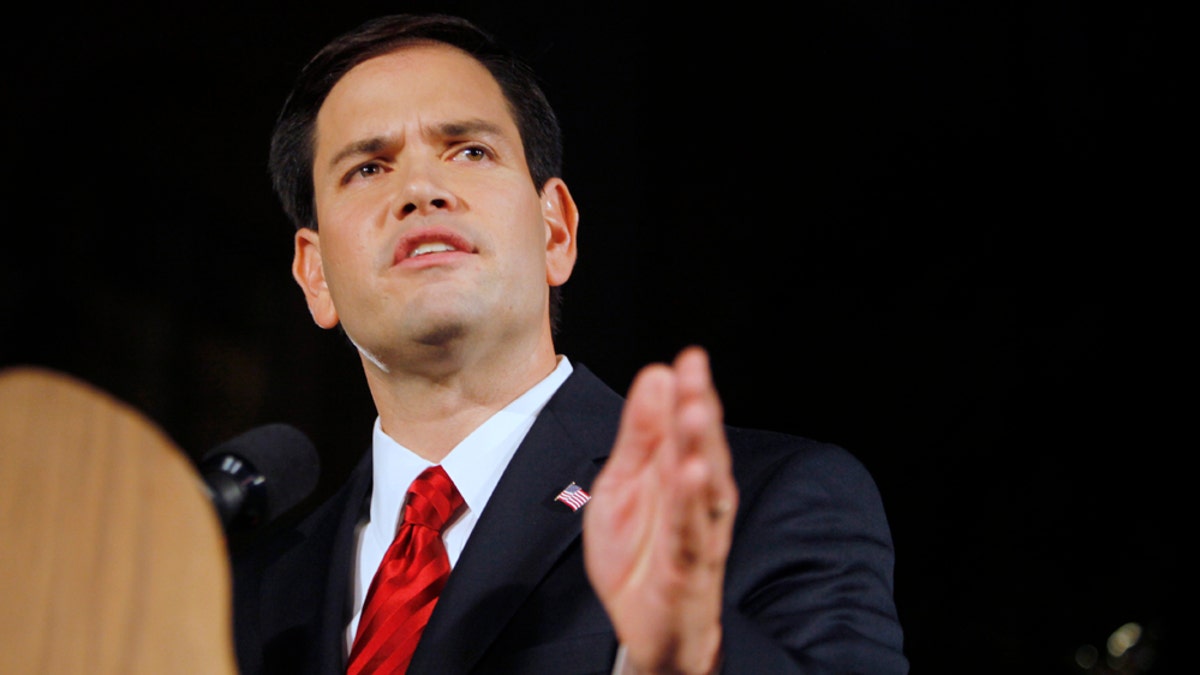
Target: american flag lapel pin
[573,496]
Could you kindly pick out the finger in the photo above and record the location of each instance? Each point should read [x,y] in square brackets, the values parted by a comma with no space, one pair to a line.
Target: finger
[695,375]
[701,415]
[701,430]
[689,513]
[713,499]
[644,421]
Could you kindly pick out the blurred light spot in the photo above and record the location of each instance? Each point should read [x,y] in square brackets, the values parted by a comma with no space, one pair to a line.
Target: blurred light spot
[1086,657]
[1123,638]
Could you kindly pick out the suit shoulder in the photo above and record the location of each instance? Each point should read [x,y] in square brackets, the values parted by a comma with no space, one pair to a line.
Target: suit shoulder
[765,461]
[769,449]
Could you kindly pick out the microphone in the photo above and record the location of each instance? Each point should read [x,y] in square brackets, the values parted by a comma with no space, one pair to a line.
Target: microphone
[255,477]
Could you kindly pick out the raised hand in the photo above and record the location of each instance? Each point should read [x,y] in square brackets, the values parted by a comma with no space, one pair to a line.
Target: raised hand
[658,528]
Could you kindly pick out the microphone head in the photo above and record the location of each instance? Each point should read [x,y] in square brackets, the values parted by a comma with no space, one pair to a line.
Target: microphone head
[259,475]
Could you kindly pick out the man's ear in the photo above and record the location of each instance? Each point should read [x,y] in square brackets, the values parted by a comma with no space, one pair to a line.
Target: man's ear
[562,221]
[310,275]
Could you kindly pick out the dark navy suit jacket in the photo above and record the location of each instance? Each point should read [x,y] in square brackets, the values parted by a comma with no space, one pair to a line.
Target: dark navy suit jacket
[808,589]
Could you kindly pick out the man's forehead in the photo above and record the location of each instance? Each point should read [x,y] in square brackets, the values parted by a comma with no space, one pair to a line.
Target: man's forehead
[431,90]
[439,83]
[422,68]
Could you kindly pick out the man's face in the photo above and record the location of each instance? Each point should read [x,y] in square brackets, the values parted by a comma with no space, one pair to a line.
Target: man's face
[430,229]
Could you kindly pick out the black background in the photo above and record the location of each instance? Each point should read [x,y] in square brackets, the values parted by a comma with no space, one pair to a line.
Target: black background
[944,235]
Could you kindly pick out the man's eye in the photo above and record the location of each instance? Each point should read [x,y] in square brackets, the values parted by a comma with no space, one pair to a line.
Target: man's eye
[473,154]
[362,171]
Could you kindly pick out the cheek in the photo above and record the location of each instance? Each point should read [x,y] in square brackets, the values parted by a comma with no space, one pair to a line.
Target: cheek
[529,227]
[346,225]
[340,211]
[343,260]
[354,203]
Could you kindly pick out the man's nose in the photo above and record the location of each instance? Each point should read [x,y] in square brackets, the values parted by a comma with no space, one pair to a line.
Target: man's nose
[423,190]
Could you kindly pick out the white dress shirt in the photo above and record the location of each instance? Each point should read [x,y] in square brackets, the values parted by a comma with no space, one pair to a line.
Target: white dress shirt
[475,465]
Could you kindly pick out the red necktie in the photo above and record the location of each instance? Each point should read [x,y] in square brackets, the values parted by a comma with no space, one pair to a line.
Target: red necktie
[406,586]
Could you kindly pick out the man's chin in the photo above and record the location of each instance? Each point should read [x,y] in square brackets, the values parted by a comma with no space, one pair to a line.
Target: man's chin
[442,334]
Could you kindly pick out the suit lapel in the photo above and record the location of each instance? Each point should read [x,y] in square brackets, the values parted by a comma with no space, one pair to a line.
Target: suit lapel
[523,530]
[331,656]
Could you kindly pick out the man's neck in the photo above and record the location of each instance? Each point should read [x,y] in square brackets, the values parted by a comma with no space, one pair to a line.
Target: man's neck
[430,412]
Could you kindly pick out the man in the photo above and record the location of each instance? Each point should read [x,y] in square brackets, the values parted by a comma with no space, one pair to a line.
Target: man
[421,165]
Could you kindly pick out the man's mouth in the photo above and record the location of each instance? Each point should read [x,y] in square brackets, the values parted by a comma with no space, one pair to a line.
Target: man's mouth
[430,247]
[430,241]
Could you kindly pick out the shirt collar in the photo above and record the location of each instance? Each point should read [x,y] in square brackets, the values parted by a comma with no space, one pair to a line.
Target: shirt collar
[475,464]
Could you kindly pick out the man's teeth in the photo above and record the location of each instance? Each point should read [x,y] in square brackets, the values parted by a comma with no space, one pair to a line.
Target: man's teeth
[432,247]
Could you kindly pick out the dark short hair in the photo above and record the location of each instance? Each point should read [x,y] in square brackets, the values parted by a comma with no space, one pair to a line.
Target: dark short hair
[294,138]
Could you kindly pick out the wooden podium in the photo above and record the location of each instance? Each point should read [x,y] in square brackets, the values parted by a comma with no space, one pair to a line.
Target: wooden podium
[112,558]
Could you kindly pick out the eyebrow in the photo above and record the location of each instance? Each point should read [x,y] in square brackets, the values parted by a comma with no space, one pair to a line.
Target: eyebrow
[368,146]
[470,127]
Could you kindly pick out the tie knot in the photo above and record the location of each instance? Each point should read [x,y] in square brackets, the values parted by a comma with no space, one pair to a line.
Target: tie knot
[432,499]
